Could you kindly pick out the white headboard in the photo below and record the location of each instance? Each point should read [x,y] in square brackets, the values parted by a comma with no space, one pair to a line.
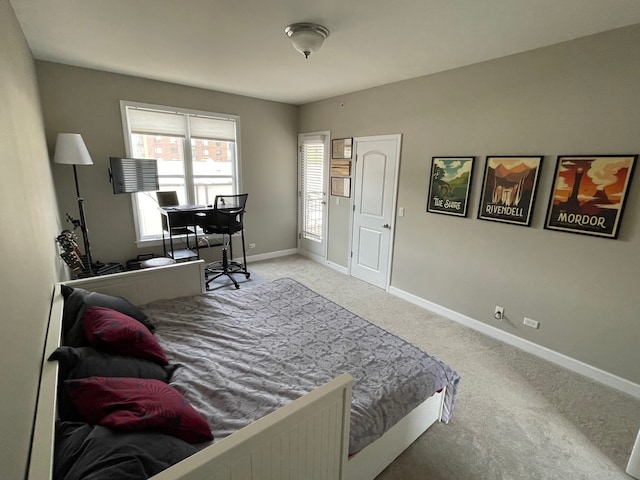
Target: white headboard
[146,285]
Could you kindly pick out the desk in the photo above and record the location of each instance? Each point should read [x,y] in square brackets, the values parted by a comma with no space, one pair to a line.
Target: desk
[181,221]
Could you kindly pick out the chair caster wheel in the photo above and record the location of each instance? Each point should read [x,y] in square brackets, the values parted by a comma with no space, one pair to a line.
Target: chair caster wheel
[247,275]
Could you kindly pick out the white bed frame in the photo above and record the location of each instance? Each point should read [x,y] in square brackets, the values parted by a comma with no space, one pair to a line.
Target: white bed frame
[633,467]
[306,439]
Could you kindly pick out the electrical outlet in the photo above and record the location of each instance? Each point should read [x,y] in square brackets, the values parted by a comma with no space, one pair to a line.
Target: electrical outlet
[530,322]
[499,313]
[252,245]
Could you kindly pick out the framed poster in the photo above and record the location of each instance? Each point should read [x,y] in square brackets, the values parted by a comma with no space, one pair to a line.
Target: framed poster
[449,185]
[341,148]
[341,186]
[589,193]
[509,189]
[341,167]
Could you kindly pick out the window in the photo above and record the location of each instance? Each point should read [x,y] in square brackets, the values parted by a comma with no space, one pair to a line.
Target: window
[312,189]
[183,165]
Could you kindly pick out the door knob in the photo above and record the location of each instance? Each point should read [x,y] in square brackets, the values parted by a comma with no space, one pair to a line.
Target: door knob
[386,225]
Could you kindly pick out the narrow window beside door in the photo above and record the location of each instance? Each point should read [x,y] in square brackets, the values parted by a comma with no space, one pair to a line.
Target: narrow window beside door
[312,190]
[312,183]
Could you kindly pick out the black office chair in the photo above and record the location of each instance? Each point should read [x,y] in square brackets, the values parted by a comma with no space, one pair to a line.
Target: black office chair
[226,218]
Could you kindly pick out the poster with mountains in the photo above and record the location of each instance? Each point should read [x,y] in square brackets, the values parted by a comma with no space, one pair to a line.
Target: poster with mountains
[449,185]
[589,194]
[509,189]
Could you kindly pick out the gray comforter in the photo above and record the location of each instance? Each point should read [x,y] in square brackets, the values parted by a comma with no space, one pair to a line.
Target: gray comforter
[245,353]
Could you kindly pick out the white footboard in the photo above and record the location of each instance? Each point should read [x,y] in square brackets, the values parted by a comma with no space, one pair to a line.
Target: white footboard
[306,439]
[633,467]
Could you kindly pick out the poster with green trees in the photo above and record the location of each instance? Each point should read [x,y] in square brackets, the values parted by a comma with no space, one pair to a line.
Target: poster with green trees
[449,185]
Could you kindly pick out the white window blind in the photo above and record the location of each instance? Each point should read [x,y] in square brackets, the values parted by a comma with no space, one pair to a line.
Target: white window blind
[213,128]
[156,123]
[173,123]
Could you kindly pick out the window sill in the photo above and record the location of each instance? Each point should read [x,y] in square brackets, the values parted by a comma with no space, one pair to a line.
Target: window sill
[154,242]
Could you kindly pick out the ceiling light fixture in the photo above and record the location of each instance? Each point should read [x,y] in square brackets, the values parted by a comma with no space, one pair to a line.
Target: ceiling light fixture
[307,38]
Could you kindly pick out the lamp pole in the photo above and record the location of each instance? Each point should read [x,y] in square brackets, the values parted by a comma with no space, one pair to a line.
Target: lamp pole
[83,223]
[71,150]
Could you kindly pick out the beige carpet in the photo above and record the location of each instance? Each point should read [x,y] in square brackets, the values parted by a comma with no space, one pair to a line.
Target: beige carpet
[516,416]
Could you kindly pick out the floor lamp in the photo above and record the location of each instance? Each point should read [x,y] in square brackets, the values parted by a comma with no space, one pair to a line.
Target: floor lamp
[71,150]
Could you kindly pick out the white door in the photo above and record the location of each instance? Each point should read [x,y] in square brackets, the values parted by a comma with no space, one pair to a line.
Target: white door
[377,160]
[313,155]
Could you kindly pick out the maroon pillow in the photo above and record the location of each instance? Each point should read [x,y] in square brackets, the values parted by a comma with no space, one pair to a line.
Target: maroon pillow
[115,332]
[137,404]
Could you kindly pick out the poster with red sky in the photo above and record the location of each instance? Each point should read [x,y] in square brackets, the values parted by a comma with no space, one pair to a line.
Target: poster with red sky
[589,193]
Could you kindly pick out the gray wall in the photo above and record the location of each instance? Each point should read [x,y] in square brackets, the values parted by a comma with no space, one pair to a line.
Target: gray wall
[79,100]
[30,262]
[580,97]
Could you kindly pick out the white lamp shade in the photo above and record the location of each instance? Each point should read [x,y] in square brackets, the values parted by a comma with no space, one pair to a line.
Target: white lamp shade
[71,150]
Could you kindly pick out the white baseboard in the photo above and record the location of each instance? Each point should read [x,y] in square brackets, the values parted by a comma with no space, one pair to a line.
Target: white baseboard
[267,256]
[321,260]
[311,256]
[577,366]
[338,268]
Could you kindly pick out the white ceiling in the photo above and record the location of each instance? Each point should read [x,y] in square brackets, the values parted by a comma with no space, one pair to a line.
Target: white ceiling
[239,46]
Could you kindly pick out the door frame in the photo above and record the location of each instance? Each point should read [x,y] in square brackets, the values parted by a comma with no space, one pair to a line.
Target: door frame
[326,136]
[394,200]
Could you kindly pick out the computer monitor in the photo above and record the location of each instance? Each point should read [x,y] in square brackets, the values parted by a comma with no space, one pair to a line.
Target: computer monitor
[130,175]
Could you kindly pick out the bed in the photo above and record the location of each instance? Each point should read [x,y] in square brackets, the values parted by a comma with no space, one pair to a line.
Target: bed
[311,429]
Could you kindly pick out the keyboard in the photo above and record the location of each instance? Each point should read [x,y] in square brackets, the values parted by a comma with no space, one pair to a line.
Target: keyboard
[185,207]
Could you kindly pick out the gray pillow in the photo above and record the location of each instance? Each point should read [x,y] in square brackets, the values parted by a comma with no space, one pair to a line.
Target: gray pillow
[83,362]
[86,451]
[76,301]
